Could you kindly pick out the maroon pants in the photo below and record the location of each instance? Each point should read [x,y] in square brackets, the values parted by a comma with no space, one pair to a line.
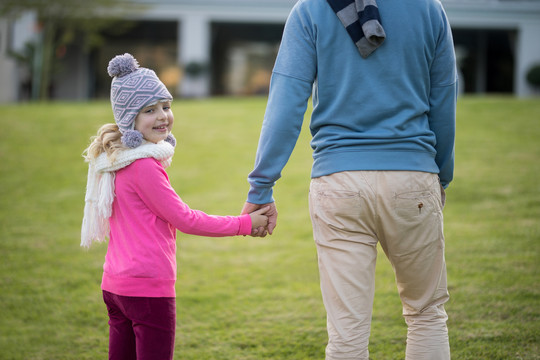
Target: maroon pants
[140,328]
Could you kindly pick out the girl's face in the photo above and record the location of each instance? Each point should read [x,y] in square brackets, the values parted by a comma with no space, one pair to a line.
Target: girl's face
[155,121]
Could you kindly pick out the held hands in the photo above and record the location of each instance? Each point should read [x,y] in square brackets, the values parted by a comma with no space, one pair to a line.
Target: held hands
[270,212]
[259,219]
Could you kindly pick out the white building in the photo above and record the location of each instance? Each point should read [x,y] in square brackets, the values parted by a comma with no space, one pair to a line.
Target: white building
[223,47]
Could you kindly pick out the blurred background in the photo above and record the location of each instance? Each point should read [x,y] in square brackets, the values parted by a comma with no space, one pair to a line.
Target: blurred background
[59,49]
[238,298]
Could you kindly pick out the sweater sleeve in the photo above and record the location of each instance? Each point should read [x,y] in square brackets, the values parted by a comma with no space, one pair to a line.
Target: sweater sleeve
[152,185]
[281,127]
[442,101]
[290,89]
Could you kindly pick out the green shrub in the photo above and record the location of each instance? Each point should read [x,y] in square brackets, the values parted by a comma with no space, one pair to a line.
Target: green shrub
[533,75]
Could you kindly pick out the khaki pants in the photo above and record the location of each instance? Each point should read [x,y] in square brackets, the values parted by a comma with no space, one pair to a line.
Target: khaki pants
[402,210]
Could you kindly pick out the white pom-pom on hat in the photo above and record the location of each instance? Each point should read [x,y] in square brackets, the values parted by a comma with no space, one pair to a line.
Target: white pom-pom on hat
[132,138]
[171,139]
[122,65]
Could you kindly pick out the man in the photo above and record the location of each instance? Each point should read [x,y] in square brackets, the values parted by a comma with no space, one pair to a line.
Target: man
[382,76]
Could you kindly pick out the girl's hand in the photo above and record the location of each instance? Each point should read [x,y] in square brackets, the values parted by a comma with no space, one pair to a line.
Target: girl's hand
[272,217]
[259,219]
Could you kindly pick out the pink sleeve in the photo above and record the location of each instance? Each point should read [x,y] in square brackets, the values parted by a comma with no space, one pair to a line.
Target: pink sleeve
[153,186]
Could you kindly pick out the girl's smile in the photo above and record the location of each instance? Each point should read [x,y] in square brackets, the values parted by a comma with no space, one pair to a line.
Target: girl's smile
[161,128]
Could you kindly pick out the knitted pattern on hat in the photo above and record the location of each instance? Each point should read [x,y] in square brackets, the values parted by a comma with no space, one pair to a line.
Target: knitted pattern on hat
[132,89]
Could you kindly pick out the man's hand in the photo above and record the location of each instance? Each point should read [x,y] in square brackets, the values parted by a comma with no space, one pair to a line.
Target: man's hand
[272,217]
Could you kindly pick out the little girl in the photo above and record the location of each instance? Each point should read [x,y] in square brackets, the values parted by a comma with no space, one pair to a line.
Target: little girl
[129,199]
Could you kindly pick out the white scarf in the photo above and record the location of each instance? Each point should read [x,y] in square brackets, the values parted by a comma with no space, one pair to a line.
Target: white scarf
[100,186]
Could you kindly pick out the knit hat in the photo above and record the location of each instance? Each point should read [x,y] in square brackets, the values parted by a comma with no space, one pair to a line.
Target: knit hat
[133,88]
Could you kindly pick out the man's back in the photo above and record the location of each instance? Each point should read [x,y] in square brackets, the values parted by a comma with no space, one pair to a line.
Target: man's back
[394,110]
[379,104]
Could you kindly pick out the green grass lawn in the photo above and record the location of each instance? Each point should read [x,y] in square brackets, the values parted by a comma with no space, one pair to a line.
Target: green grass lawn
[249,298]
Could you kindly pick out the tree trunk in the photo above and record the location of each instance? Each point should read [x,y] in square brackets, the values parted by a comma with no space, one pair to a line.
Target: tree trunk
[49,30]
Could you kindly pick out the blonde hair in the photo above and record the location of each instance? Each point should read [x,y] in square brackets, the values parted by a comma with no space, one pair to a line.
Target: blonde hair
[108,140]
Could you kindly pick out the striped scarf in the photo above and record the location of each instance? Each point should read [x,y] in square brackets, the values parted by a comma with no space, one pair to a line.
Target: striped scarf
[362,21]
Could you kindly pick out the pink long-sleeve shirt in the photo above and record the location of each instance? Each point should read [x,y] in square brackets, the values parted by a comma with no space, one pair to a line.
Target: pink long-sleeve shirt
[141,255]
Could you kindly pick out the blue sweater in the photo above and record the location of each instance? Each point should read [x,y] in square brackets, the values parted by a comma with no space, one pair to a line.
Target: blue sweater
[394,110]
